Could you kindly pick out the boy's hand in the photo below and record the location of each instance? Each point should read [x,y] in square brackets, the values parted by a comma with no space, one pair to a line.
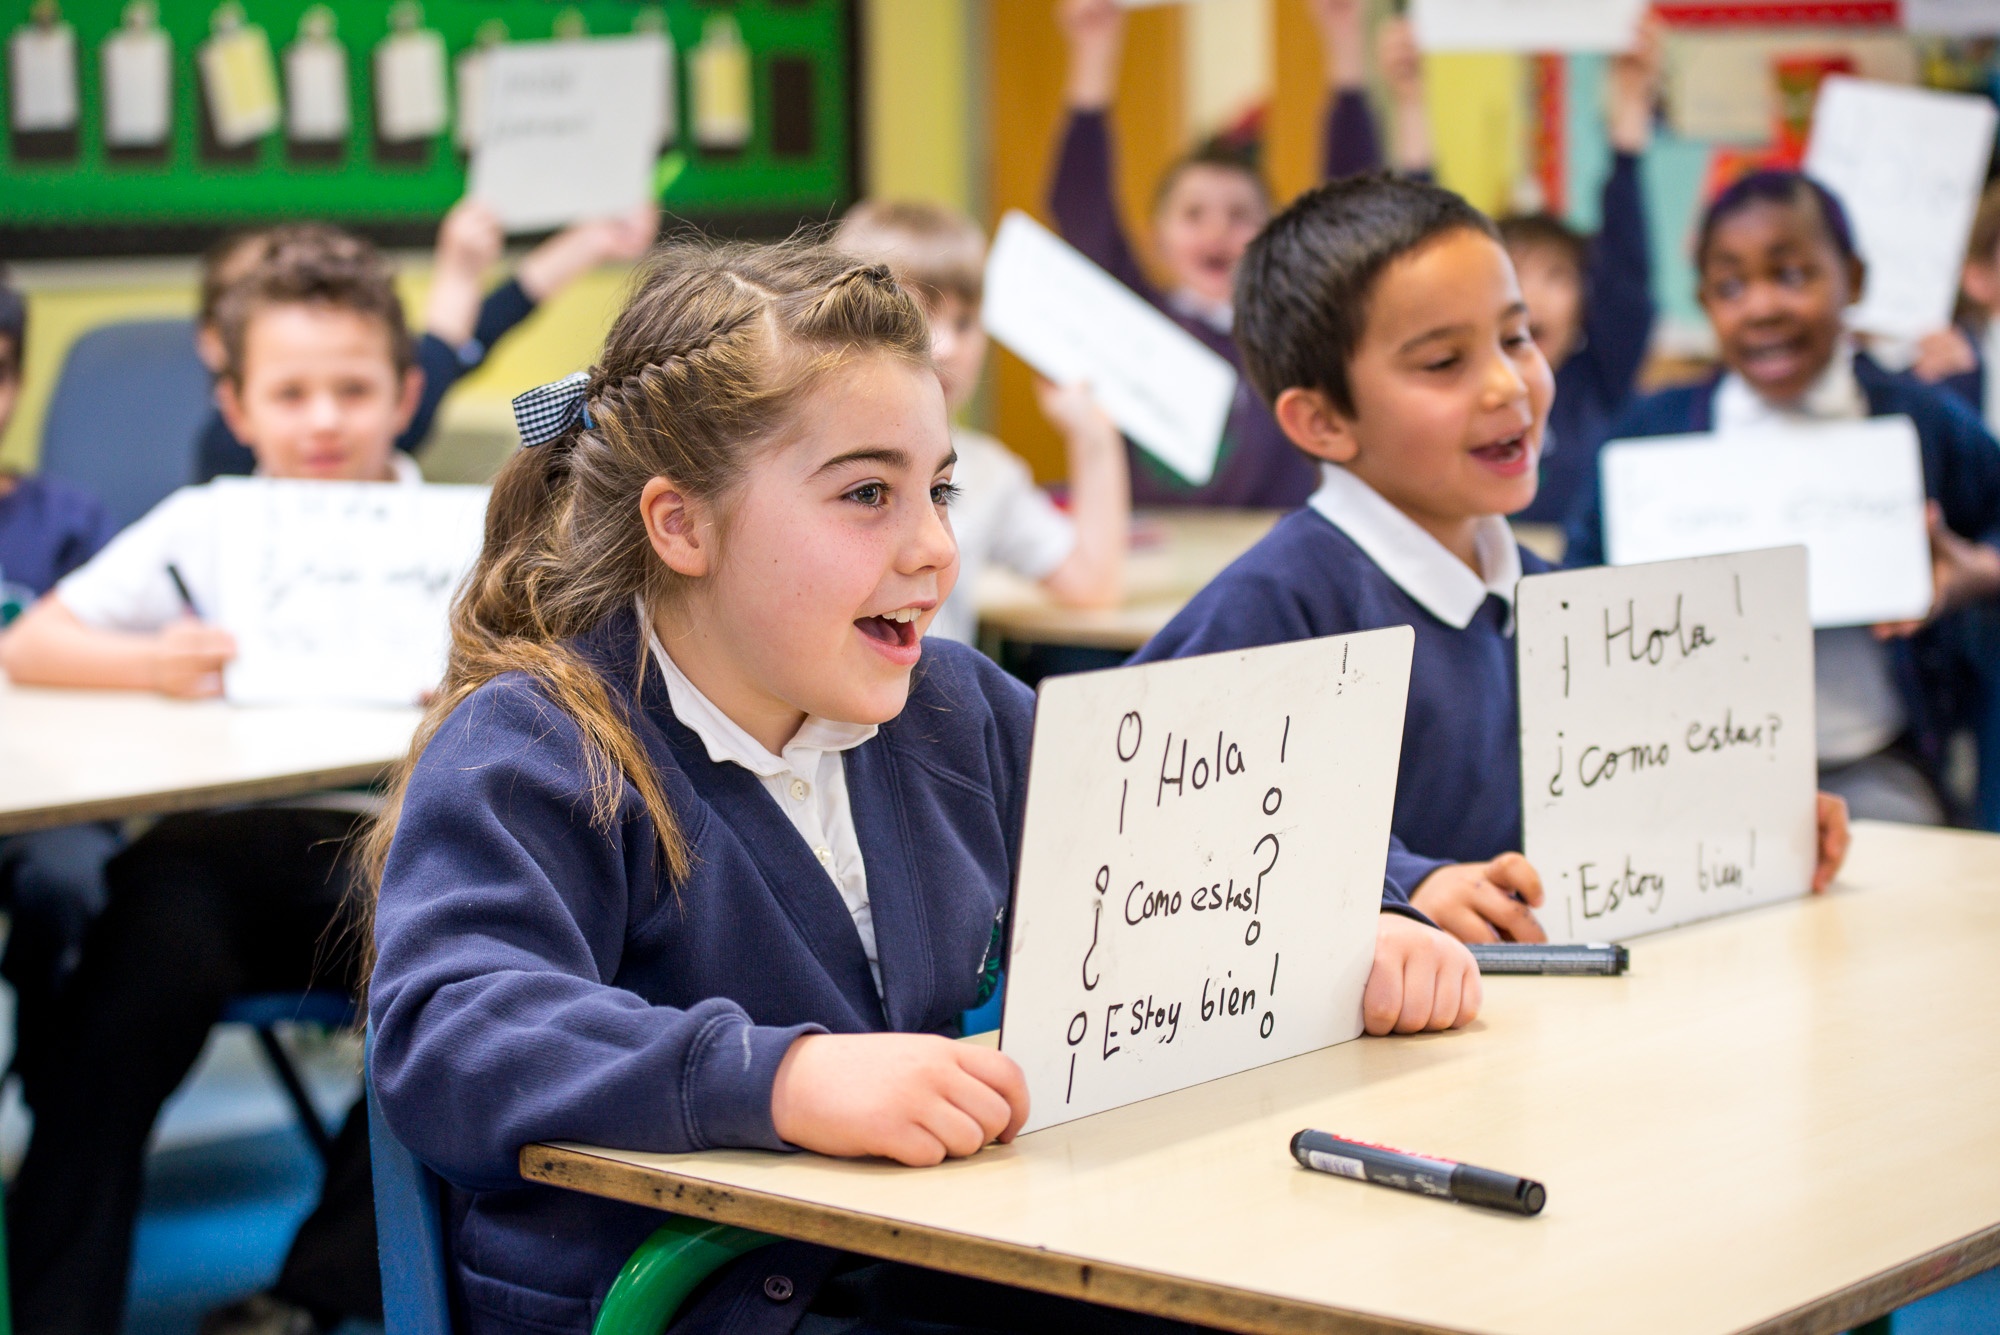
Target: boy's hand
[188,658]
[914,1098]
[1833,841]
[1944,354]
[1341,40]
[1633,90]
[470,240]
[1422,979]
[1484,901]
[1075,413]
[624,237]
[1401,60]
[581,247]
[1094,31]
[1962,572]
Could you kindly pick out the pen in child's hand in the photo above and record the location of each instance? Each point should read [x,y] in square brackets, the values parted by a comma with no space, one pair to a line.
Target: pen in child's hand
[180,587]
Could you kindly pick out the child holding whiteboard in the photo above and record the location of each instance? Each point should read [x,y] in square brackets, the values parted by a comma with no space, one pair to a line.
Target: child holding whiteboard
[319,376]
[1777,269]
[703,844]
[1205,212]
[1382,320]
[460,328]
[1000,516]
[1959,358]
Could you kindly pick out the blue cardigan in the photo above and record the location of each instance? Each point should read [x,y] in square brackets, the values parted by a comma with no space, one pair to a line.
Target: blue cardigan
[1961,464]
[1458,793]
[542,979]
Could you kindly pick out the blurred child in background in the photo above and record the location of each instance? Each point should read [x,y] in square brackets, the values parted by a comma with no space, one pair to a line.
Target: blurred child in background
[1000,516]
[1961,359]
[460,328]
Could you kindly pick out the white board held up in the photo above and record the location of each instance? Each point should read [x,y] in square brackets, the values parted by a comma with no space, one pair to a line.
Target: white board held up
[572,128]
[1908,164]
[340,592]
[1527,25]
[1851,492]
[1072,321]
[1201,869]
[1667,757]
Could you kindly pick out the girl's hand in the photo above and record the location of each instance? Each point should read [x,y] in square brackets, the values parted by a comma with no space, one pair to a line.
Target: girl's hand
[1094,31]
[1962,571]
[915,1098]
[1484,901]
[1422,979]
[1633,90]
[188,658]
[1833,841]
[1944,354]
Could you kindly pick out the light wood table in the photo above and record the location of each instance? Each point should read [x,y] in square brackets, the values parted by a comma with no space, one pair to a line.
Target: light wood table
[1175,553]
[68,756]
[1788,1120]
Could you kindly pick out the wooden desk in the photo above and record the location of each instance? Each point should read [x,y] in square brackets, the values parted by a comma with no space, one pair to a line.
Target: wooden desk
[1175,553]
[1787,1121]
[69,756]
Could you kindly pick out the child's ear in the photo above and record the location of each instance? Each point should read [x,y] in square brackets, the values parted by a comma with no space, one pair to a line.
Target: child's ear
[1857,279]
[677,527]
[229,401]
[1311,422]
[412,395]
[1981,281]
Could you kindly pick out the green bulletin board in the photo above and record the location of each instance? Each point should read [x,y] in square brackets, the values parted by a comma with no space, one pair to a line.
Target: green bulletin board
[69,193]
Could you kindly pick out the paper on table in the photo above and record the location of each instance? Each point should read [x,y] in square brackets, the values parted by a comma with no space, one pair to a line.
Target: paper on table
[1852,493]
[41,66]
[1200,878]
[1667,756]
[1909,164]
[340,592]
[1527,25]
[1952,18]
[1073,322]
[138,87]
[571,131]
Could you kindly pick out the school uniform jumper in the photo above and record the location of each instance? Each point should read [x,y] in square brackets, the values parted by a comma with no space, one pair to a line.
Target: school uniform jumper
[1596,384]
[219,453]
[1961,465]
[1351,562]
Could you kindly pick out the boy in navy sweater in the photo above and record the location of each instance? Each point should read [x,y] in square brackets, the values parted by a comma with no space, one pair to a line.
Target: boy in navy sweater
[1383,322]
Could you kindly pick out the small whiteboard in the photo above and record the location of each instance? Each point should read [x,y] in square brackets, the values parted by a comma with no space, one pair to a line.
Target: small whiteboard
[1667,755]
[1851,492]
[1201,869]
[1908,164]
[1527,25]
[339,592]
[572,129]
[1072,321]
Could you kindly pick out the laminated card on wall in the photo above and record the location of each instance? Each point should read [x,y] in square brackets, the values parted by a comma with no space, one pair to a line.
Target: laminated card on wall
[1201,867]
[1667,756]
[1072,321]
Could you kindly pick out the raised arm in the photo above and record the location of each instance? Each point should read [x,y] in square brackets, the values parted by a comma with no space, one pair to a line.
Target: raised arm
[1349,141]
[1618,320]
[1080,193]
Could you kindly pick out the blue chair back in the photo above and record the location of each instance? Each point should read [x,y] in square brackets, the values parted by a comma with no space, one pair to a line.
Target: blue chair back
[409,1233]
[125,419]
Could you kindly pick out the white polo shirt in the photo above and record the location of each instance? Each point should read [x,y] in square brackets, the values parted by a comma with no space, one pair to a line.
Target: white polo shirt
[1000,517]
[1420,565]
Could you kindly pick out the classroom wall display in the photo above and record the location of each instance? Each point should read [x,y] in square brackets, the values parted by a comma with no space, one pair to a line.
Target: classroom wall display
[1667,754]
[1952,18]
[1527,25]
[138,127]
[1201,867]
[1852,493]
[1909,165]
[339,592]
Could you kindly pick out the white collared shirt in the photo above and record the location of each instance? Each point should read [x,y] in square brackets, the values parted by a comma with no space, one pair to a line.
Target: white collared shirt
[1420,565]
[808,781]
[1859,709]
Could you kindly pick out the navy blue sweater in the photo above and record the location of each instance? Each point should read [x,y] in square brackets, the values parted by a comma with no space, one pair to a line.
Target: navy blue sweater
[541,979]
[1458,794]
[47,529]
[1597,382]
[1961,464]
[219,453]
[1970,386]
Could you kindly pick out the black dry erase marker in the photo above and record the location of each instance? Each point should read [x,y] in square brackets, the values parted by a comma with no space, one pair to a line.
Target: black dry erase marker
[1419,1173]
[180,587]
[1521,957]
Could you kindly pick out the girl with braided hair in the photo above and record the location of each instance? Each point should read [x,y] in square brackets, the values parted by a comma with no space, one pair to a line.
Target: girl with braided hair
[702,844]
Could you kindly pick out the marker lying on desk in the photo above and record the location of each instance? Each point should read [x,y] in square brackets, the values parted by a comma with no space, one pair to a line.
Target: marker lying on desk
[1521,957]
[1416,1172]
[180,587]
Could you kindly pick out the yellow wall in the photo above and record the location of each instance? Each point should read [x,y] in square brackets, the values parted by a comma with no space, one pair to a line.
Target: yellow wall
[920,108]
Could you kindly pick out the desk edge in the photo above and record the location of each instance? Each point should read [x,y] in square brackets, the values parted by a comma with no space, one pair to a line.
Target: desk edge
[166,802]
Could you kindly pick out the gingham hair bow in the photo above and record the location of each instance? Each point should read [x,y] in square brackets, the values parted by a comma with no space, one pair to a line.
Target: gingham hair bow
[548,412]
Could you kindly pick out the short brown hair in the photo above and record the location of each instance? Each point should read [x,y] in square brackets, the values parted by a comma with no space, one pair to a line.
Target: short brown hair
[1214,155]
[1545,231]
[310,264]
[1985,239]
[933,248]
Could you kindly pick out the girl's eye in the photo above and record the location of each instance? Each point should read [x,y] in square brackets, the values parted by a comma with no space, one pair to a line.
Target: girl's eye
[946,493]
[871,494]
[1443,364]
[1794,275]
[1727,289]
